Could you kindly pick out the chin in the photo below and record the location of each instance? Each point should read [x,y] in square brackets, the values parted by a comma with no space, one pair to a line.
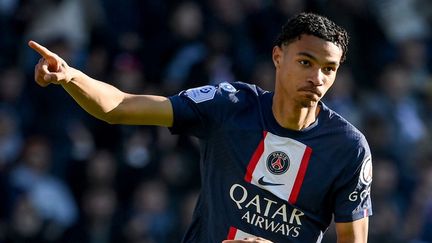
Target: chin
[309,103]
[307,100]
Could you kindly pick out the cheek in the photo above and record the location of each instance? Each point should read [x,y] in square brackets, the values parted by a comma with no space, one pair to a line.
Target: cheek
[293,73]
[329,83]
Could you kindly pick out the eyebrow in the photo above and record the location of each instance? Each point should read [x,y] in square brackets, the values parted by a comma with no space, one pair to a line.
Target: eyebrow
[315,59]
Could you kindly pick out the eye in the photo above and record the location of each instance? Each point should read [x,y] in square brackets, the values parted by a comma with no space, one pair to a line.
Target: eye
[329,69]
[304,62]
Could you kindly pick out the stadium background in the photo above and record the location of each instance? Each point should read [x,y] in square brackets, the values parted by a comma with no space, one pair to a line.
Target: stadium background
[67,177]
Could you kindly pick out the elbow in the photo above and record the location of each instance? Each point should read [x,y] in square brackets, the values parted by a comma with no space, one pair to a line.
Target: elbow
[111,122]
[110,118]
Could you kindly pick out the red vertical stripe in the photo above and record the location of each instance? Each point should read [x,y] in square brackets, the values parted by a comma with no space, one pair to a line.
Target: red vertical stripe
[232,233]
[300,176]
[254,160]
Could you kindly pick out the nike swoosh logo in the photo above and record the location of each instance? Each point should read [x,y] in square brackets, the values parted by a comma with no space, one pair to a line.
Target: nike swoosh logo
[266,183]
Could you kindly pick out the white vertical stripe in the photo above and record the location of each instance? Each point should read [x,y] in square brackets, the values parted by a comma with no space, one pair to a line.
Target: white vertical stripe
[240,235]
[295,151]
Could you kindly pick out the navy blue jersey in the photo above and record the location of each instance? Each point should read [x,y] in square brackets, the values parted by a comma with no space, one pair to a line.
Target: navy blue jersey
[260,179]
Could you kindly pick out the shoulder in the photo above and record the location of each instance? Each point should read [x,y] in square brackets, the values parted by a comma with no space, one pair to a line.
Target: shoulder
[345,131]
[351,148]
[245,88]
[231,92]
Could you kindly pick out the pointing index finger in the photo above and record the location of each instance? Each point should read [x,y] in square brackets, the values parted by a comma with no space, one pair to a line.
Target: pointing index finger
[43,51]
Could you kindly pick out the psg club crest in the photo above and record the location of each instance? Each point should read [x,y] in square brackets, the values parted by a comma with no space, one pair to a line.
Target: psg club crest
[278,162]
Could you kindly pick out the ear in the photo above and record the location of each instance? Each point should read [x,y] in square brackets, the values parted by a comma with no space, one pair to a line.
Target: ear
[277,56]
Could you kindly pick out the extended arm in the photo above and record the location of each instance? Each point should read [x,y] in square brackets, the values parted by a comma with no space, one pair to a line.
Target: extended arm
[100,99]
[353,232]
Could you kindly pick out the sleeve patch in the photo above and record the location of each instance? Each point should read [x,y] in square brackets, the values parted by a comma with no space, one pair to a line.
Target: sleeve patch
[201,94]
[366,171]
[227,87]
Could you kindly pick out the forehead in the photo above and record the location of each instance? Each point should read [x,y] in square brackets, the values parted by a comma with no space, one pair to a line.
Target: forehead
[319,48]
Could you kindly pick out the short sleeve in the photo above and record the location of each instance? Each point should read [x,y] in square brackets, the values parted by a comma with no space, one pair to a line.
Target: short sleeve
[198,111]
[352,199]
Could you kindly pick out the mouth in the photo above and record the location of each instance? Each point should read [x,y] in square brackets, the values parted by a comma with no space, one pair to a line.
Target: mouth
[311,90]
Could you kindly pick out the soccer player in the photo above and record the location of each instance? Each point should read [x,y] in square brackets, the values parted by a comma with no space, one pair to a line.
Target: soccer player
[275,165]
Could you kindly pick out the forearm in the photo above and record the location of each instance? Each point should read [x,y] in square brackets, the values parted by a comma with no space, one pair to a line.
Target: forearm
[353,232]
[96,97]
[100,99]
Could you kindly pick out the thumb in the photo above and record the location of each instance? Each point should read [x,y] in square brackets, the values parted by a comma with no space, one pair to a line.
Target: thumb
[53,64]
[55,78]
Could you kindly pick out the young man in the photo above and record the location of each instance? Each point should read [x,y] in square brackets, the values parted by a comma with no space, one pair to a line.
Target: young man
[276,165]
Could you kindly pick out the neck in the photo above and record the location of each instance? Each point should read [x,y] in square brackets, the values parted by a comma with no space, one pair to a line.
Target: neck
[294,116]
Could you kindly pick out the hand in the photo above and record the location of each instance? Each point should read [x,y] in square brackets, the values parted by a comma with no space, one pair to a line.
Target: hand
[50,68]
[248,240]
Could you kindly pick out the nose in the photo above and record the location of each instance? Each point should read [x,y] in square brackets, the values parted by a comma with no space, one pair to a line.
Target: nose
[317,77]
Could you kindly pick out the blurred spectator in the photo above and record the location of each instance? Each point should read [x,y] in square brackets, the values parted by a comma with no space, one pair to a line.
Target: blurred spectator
[150,215]
[9,25]
[414,58]
[137,152]
[185,212]
[165,140]
[15,98]
[49,196]
[402,125]
[418,215]
[231,53]
[424,7]
[82,141]
[79,18]
[127,74]
[368,44]
[97,61]
[186,24]
[427,106]
[99,170]
[342,97]
[397,104]
[263,74]
[217,66]
[98,223]
[426,232]
[400,19]
[26,225]
[11,138]
[137,162]
[177,170]
[387,202]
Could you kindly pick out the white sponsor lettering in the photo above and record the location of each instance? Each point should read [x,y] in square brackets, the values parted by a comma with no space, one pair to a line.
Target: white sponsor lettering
[296,232]
[265,213]
[355,195]
[245,194]
[255,202]
[269,203]
[295,215]
[282,212]
[270,225]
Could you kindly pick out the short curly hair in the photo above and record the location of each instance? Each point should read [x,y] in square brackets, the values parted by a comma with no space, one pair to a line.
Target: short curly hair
[316,25]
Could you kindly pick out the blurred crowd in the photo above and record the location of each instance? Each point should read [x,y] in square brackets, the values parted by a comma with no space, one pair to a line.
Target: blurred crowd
[68,177]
